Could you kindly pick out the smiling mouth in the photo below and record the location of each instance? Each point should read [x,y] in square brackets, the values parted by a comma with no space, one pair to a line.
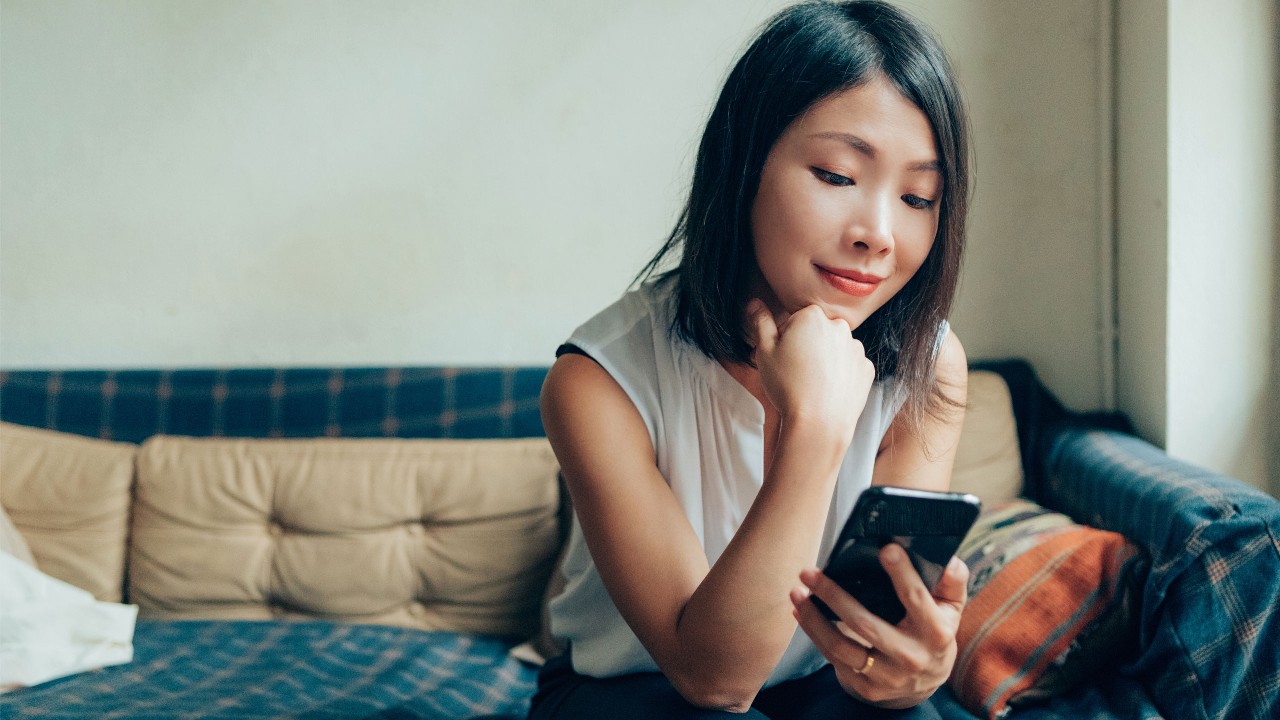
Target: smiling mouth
[850,282]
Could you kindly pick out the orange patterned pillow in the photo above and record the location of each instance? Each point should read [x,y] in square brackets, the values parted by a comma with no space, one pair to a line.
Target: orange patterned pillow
[1049,605]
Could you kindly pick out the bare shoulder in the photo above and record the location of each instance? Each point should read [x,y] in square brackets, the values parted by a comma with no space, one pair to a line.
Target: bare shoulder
[951,367]
[923,457]
[571,376]
[584,409]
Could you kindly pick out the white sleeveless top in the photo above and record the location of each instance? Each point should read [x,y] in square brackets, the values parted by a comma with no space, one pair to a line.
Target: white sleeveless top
[708,433]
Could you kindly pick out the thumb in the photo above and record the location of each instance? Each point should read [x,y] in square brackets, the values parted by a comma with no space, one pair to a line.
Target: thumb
[953,587]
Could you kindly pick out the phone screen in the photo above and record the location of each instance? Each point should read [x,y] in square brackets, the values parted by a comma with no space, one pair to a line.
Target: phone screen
[929,526]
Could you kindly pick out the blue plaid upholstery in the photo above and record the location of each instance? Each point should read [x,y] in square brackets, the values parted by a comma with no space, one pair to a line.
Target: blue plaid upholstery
[1210,611]
[132,405]
[304,670]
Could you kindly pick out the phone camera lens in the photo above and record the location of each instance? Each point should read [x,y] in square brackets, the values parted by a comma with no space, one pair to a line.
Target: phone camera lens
[874,514]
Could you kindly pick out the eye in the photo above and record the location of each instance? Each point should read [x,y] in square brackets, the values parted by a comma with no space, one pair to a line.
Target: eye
[831,178]
[917,202]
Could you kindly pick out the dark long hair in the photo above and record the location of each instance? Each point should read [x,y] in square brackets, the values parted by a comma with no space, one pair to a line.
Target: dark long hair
[804,54]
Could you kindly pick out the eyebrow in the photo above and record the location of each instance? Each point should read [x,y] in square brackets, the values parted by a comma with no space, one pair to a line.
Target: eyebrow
[866,148]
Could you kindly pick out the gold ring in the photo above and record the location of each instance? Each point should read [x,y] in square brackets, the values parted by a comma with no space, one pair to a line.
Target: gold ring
[866,666]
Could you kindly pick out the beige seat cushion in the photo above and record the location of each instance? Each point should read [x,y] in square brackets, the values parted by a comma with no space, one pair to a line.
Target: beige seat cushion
[434,534]
[69,497]
[988,460]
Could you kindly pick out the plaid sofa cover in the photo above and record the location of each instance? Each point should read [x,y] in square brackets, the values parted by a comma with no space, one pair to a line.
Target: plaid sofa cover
[1210,646]
[1210,611]
[301,670]
[132,405]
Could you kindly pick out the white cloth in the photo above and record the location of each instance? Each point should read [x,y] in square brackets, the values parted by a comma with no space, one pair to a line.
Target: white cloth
[49,628]
[708,433]
[12,542]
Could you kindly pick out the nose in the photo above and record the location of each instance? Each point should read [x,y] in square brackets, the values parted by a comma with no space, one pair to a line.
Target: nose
[871,227]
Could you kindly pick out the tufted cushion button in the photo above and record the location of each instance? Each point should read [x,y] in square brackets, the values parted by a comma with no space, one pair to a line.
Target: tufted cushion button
[274,529]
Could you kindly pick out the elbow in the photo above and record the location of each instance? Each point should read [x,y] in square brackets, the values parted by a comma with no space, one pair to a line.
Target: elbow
[706,690]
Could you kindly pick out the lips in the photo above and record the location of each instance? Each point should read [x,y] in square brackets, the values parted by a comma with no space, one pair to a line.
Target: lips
[850,282]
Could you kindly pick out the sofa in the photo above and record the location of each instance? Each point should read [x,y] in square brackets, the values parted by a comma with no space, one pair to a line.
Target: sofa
[380,543]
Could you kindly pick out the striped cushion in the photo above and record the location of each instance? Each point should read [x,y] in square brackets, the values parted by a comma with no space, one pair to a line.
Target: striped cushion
[1049,606]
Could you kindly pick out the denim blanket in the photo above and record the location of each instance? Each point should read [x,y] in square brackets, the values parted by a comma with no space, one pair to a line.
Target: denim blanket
[1209,632]
[303,670]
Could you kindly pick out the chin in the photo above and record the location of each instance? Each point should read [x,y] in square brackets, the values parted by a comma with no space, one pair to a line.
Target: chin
[854,317]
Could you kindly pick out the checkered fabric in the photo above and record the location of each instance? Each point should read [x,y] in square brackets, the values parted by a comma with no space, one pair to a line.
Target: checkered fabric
[302,670]
[1210,610]
[132,405]
[1209,637]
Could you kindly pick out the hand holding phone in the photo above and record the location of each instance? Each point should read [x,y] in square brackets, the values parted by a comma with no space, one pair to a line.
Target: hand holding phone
[929,525]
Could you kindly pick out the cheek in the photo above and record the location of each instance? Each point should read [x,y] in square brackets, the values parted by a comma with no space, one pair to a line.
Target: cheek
[919,241]
[773,221]
[787,217]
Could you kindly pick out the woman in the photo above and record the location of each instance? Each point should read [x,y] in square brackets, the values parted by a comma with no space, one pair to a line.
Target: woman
[716,424]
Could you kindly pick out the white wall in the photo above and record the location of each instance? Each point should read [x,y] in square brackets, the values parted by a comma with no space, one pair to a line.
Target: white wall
[1033,286]
[1221,197]
[1198,231]
[336,182]
[1142,212]
[299,183]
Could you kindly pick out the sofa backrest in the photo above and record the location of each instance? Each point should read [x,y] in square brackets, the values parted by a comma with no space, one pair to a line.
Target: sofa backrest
[431,530]
[454,525]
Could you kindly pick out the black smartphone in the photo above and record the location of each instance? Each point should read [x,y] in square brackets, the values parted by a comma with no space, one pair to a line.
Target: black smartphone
[928,525]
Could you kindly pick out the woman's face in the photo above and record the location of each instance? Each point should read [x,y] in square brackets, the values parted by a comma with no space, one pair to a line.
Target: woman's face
[847,207]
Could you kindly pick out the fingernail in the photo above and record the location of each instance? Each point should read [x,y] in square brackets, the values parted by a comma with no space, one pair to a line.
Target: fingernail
[895,554]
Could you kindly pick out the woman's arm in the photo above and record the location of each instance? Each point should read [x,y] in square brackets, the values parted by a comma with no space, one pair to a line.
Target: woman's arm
[924,459]
[914,658]
[716,632]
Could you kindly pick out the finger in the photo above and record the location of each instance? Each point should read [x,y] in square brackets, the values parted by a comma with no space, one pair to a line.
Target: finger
[858,618]
[894,647]
[835,646]
[922,609]
[859,349]
[911,589]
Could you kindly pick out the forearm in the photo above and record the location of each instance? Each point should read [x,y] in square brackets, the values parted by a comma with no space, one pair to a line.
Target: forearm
[737,624]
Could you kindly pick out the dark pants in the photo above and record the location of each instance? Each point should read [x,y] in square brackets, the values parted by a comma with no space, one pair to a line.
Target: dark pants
[565,695]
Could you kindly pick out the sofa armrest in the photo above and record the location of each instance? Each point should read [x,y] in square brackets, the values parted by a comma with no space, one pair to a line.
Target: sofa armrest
[1210,604]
